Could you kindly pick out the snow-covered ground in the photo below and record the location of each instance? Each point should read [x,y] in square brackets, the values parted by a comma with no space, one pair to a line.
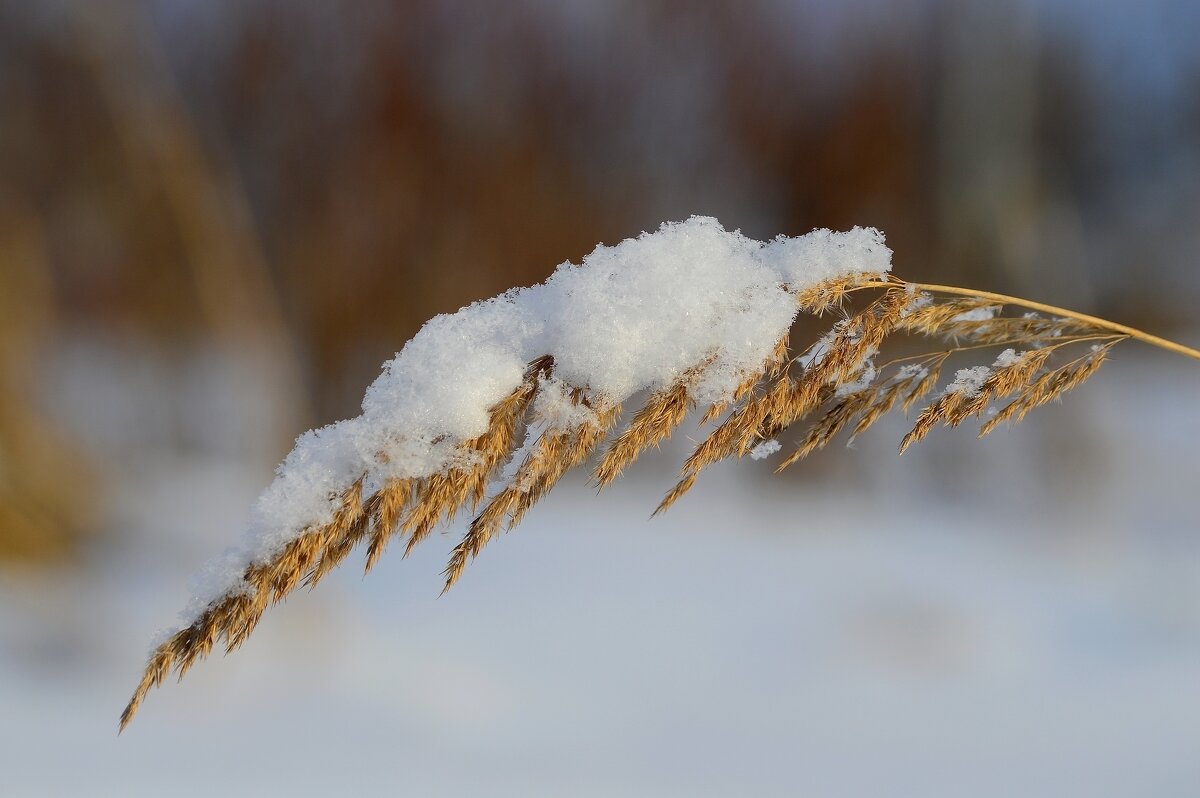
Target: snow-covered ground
[1019,616]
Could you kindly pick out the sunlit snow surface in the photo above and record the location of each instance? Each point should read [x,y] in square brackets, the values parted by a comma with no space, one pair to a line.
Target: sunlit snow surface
[1018,616]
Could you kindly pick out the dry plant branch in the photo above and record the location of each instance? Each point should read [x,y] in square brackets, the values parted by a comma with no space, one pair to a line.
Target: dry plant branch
[1094,322]
[547,426]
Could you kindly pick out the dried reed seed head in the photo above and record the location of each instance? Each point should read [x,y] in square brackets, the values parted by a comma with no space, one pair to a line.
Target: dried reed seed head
[776,364]
[481,530]
[786,402]
[1004,330]
[1071,376]
[676,493]
[714,412]
[555,453]
[719,443]
[833,354]
[234,616]
[827,428]
[385,510]
[925,423]
[830,295]
[777,396]
[299,559]
[951,409]
[758,415]
[926,383]
[763,415]
[841,354]
[313,547]
[790,414]
[932,319]
[821,299]
[729,437]
[1005,414]
[804,396]
[577,445]
[1047,388]
[310,556]
[1003,381]
[779,404]
[441,496]
[337,550]
[1010,378]
[978,331]
[662,413]
[764,404]
[883,317]
[154,675]
[963,406]
[194,643]
[245,612]
[1042,390]
[882,403]
[1023,376]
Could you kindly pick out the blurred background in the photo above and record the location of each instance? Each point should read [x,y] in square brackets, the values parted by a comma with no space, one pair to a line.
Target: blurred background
[218,218]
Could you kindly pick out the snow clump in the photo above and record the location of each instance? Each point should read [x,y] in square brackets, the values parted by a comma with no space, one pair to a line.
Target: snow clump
[765,449]
[968,382]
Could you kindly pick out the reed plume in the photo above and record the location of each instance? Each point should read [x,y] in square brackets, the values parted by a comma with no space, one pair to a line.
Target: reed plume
[547,426]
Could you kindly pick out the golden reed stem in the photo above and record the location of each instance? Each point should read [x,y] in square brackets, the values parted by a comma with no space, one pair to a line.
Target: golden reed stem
[1104,324]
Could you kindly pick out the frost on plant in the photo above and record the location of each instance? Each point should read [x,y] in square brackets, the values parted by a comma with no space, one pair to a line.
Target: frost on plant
[484,410]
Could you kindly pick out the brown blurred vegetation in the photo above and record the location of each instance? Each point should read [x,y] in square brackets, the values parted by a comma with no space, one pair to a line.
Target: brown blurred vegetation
[314,184]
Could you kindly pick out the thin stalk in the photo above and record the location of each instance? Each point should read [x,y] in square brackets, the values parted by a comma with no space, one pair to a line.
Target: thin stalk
[946,353]
[1104,324]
